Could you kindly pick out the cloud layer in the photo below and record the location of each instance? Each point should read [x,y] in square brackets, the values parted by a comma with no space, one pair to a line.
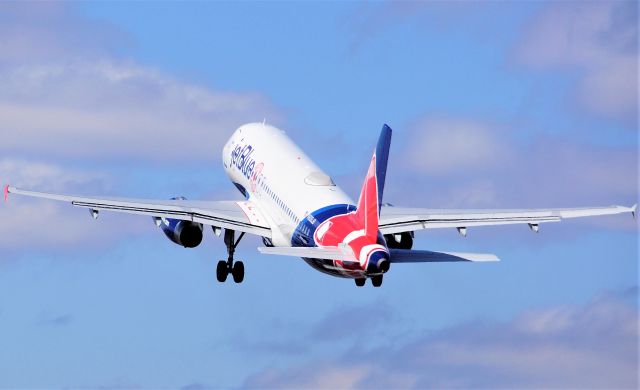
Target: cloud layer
[598,43]
[467,163]
[34,33]
[67,92]
[594,346]
[442,146]
[28,224]
[110,109]
[68,96]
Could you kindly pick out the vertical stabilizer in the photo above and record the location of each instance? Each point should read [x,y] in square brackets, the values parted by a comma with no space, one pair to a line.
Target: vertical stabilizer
[382,158]
[371,195]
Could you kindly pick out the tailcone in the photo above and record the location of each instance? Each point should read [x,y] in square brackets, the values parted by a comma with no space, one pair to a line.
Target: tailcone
[379,262]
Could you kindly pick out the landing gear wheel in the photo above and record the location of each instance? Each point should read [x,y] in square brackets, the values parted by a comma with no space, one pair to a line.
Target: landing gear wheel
[238,272]
[376,280]
[222,271]
[225,268]
[360,281]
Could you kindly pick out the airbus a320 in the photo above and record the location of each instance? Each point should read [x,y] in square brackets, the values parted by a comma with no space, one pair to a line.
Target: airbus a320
[303,213]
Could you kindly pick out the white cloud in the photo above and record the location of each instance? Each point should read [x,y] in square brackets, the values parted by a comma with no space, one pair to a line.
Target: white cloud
[27,224]
[593,346]
[39,175]
[320,376]
[612,89]
[451,145]
[599,40]
[111,109]
[66,92]
[470,163]
[68,95]
[31,225]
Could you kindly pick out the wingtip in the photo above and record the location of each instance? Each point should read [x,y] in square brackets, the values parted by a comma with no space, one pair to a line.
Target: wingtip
[489,257]
[6,192]
[633,210]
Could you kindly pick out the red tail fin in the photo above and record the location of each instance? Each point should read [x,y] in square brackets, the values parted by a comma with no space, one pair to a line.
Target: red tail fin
[371,196]
[367,212]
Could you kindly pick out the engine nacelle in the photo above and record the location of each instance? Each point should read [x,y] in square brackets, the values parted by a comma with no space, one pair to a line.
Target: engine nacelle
[399,240]
[185,233]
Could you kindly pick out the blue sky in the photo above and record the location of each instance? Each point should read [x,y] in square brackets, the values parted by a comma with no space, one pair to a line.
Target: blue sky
[493,104]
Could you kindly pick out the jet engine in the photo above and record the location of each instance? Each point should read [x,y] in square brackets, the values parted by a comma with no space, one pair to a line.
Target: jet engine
[400,240]
[185,233]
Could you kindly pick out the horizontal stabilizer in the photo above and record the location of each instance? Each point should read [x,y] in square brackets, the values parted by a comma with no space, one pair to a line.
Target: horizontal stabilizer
[329,253]
[420,256]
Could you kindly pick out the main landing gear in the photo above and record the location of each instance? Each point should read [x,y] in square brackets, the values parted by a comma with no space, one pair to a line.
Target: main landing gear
[225,268]
[376,281]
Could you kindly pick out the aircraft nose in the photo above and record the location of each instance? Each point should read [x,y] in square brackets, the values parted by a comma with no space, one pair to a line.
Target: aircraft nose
[380,259]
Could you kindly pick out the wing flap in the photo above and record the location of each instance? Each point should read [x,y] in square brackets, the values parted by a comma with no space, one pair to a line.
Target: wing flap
[423,256]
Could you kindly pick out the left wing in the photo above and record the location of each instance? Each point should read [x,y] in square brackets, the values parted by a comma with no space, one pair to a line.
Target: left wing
[398,220]
[239,216]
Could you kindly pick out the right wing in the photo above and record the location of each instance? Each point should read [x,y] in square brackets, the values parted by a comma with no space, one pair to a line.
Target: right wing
[397,219]
[239,216]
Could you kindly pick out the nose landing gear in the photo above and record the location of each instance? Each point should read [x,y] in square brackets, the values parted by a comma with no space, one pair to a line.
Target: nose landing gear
[224,268]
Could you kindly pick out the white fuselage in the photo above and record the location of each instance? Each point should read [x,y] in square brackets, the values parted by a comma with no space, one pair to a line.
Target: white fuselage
[276,175]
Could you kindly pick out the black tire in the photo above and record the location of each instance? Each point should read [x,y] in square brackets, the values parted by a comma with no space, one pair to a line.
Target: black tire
[238,272]
[360,282]
[222,271]
[376,280]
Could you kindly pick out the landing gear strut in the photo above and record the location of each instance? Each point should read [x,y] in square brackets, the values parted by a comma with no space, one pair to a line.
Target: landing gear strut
[225,268]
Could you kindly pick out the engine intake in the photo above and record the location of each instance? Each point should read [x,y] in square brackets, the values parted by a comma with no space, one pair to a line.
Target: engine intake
[185,233]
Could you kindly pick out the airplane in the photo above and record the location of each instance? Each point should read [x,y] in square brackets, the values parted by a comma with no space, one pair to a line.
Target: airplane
[299,211]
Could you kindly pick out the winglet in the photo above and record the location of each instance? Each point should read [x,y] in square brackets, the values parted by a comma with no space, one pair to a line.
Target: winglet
[633,210]
[6,192]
